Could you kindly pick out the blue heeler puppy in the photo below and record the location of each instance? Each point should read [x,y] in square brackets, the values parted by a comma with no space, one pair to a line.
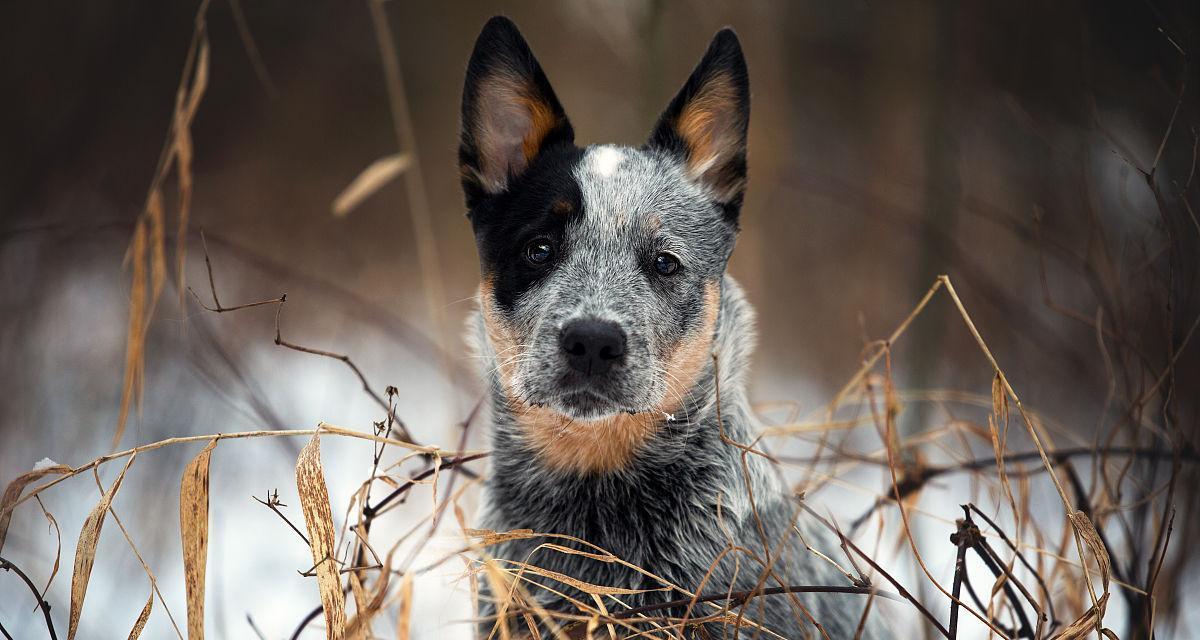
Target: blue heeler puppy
[603,300]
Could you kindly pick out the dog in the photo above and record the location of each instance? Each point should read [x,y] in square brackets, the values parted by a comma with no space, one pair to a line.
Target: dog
[614,346]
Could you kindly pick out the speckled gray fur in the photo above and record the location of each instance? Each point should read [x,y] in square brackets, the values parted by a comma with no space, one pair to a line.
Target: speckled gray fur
[686,495]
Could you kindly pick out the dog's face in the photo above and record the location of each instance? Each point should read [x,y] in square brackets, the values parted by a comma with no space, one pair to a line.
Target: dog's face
[601,266]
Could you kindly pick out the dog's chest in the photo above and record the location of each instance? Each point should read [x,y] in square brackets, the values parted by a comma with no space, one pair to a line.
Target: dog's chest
[663,521]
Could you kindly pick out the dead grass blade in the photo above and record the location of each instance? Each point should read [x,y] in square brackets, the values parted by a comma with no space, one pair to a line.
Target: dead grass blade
[318,517]
[360,624]
[404,619]
[586,587]
[193,529]
[1085,532]
[488,537]
[12,493]
[138,319]
[187,101]
[145,567]
[136,632]
[1087,623]
[85,551]
[356,627]
[158,245]
[372,179]
[57,546]
[151,225]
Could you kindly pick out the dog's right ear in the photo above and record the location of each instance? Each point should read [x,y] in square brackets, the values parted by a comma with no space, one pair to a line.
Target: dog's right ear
[509,112]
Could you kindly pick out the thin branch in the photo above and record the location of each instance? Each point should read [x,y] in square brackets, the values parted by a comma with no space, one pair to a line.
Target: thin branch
[345,359]
[254,627]
[985,553]
[304,622]
[252,52]
[373,510]
[937,624]
[966,530]
[738,598]
[41,602]
[212,285]
[272,502]
[916,478]
[321,429]
[279,302]
[1020,556]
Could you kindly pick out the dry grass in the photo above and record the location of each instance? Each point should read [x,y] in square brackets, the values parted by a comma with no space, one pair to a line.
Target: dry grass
[1044,578]
[1061,593]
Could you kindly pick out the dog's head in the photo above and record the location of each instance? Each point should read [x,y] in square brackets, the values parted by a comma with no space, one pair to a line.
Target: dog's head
[601,265]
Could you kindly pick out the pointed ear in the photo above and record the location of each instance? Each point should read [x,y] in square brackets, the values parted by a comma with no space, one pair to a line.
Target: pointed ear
[705,125]
[509,111]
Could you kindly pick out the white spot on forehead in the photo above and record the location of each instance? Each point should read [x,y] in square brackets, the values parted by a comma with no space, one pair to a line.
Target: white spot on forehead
[605,160]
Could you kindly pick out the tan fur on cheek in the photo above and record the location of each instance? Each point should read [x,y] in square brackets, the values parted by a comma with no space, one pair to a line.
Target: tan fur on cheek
[600,446]
[503,338]
[687,360]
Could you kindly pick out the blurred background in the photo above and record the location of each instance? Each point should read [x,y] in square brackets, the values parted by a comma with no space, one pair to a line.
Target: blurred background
[1006,144]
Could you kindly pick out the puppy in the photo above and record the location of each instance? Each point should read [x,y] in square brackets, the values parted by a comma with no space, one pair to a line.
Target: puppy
[615,345]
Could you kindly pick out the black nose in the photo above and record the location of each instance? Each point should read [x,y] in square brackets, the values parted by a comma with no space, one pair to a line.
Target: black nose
[592,346]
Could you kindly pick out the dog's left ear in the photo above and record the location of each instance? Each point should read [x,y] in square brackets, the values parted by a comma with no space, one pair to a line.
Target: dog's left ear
[705,125]
[509,112]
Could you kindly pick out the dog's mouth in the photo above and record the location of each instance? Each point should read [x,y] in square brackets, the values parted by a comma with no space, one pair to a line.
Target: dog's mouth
[589,404]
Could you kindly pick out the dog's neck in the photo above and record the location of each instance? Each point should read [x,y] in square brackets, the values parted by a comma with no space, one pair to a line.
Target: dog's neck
[536,437]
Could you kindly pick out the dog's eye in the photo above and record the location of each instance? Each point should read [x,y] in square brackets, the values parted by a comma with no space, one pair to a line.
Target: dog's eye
[665,264]
[539,251]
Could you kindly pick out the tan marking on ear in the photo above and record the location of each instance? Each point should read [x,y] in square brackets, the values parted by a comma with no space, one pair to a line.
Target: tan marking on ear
[608,444]
[541,122]
[512,118]
[708,127]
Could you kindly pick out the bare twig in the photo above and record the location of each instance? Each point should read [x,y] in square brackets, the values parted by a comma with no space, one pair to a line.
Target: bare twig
[737,598]
[272,502]
[322,429]
[399,424]
[252,52]
[41,602]
[212,285]
[279,302]
[961,539]
[373,510]
[937,624]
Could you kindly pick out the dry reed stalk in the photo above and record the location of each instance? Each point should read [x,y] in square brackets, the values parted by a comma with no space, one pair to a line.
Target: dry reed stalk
[149,237]
[314,499]
[143,617]
[12,493]
[85,549]
[193,527]
[1118,453]
[376,176]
